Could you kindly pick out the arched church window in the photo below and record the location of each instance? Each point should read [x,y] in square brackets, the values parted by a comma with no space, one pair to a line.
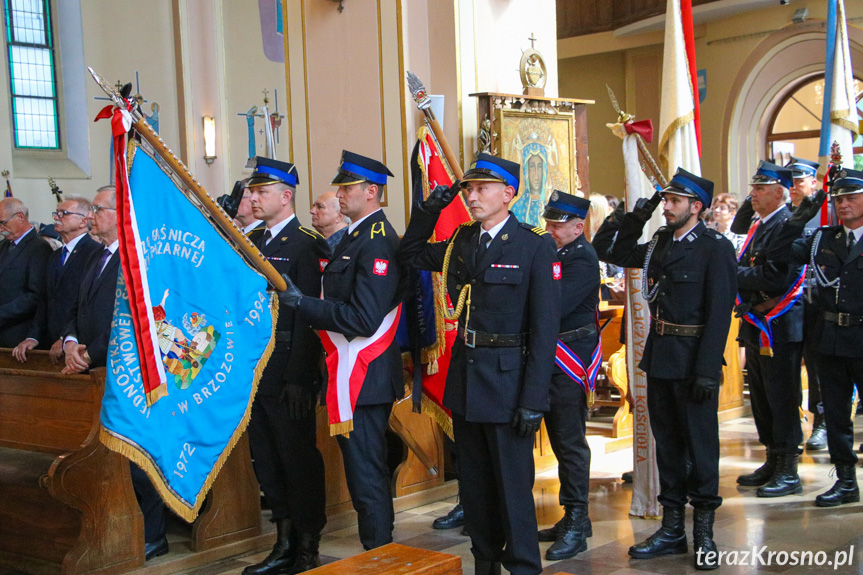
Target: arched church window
[32,77]
[795,127]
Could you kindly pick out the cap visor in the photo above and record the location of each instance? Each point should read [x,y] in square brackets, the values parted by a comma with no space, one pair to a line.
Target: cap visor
[481,176]
[551,215]
[262,180]
[347,179]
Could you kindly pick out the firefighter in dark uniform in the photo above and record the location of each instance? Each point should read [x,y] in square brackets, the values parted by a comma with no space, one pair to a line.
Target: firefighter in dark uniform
[282,428]
[501,274]
[835,258]
[572,382]
[771,307]
[690,286]
[362,289]
[805,184]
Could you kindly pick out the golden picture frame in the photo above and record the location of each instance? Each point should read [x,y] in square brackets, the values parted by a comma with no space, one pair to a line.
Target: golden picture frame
[544,146]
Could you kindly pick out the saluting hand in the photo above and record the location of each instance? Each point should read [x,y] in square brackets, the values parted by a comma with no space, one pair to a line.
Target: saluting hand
[644,209]
[526,421]
[808,208]
[440,198]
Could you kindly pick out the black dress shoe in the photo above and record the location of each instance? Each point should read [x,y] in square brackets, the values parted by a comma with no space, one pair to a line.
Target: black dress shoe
[845,489]
[156,549]
[453,519]
[669,539]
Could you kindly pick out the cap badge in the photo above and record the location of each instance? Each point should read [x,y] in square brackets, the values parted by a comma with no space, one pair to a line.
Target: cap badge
[554,196]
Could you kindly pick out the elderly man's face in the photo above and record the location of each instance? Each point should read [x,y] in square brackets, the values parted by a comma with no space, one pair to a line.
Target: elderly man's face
[766,198]
[73,219]
[325,211]
[13,224]
[103,217]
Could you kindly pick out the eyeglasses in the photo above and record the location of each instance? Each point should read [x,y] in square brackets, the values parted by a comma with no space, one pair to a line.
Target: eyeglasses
[60,214]
[9,219]
[96,209]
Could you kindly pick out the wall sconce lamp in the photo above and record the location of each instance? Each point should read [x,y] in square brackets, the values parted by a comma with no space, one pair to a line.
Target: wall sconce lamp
[209,139]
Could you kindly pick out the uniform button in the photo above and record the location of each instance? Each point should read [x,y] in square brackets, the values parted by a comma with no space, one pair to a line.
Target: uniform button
[458,287]
[662,278]
[470,361]
[473,282]
[662,293]
[473,308]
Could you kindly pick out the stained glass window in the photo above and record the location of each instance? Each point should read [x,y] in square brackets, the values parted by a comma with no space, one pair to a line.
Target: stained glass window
[31,74]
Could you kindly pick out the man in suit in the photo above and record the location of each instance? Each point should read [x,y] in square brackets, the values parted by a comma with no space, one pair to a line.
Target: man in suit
[578,358]
[85,344]
[358,315]
[498,380]
[690,288]
[771,306]
[837,266]
[23,257]
[282,429]
[65,271]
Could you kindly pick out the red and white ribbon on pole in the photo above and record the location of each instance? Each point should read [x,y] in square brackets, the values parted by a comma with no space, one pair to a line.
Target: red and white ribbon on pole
[133,263]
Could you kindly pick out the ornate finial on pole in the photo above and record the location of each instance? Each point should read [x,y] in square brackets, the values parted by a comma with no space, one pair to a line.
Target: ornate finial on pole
[55,189]
[835,154]
[421,97]
[266,92]
[115,96]
[622,117]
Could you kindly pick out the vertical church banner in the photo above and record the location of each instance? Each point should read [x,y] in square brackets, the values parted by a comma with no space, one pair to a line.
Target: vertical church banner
[192,329]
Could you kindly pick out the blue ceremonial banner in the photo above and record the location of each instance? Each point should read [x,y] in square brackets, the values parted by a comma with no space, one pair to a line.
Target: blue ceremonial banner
[212,321]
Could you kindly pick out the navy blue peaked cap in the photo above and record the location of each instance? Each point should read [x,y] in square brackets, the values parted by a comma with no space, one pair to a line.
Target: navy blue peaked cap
[488,168]
[768,173]
[801,168]
[355,169]
[269,171]
[848,182]
[688,184]
[563,207]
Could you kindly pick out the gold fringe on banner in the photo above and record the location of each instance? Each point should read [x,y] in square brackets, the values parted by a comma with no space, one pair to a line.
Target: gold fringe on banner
[437,413]
[840,118]
[343,428]
[133,451]
[663,142]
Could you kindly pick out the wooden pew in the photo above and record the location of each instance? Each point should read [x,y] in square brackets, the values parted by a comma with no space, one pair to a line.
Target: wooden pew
[66,501]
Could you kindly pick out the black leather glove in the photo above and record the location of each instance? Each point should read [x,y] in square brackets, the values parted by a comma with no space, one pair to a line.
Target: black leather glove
[440,198]
[742,309]
[526,421]
[703,388]
[300,400]
[808,208]
[292,295]
[618,213]
[644,207]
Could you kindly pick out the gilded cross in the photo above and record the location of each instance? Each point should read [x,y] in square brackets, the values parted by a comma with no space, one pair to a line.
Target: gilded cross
[532,40]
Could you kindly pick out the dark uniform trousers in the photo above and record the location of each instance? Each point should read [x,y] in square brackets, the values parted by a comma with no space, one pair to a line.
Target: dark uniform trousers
[811,328]
[513,292]
[695,282]
[289,467]
[840,347]
[566,418]
[150,503]
[362,284]
[774,381]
